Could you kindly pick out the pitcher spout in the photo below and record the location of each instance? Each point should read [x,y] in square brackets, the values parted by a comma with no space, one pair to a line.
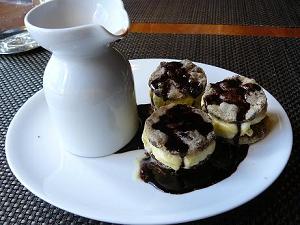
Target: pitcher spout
[112,16]
[76,26]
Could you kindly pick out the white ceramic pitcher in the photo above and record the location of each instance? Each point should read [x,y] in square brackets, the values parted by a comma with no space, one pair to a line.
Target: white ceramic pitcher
[87,84]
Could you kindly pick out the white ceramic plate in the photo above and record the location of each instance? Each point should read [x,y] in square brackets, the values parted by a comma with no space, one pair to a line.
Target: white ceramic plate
[107,189]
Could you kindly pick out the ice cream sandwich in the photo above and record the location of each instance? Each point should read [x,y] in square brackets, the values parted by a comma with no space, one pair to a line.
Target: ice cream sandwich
[237,107]
[177,82]
[178,136]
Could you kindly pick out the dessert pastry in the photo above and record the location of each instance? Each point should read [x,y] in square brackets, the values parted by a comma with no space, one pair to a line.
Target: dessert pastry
[237,107]
[178,136]
[177,82]
[182,152]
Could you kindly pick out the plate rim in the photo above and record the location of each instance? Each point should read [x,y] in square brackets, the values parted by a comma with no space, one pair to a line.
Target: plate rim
[184,217]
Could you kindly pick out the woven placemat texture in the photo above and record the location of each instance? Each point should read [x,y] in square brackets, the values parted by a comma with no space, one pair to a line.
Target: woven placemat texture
[274,62]
[285,13]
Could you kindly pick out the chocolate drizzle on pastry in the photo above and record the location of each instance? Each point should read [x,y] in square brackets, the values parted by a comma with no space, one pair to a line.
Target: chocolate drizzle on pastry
[174,72]
[232,91]
[179,120]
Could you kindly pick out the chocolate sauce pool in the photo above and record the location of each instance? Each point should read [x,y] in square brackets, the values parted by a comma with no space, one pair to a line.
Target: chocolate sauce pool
[221,164]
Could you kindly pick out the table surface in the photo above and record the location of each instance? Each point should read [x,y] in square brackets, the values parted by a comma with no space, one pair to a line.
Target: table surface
[249,37]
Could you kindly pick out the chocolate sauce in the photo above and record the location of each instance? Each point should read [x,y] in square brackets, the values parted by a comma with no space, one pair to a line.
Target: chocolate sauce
[236,138]
[221,164]
[180,119]
[175,72]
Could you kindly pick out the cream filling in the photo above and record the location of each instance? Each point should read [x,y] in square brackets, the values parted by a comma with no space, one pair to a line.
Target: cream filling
[175,161]
[198,156]
[159,102]
[229,130]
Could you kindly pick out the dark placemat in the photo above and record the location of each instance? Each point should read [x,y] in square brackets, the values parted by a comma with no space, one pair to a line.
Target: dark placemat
[285,13]
[274,62]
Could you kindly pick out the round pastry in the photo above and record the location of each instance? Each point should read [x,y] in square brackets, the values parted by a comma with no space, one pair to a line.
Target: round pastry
[177,82]
[237,107]
[178,136]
